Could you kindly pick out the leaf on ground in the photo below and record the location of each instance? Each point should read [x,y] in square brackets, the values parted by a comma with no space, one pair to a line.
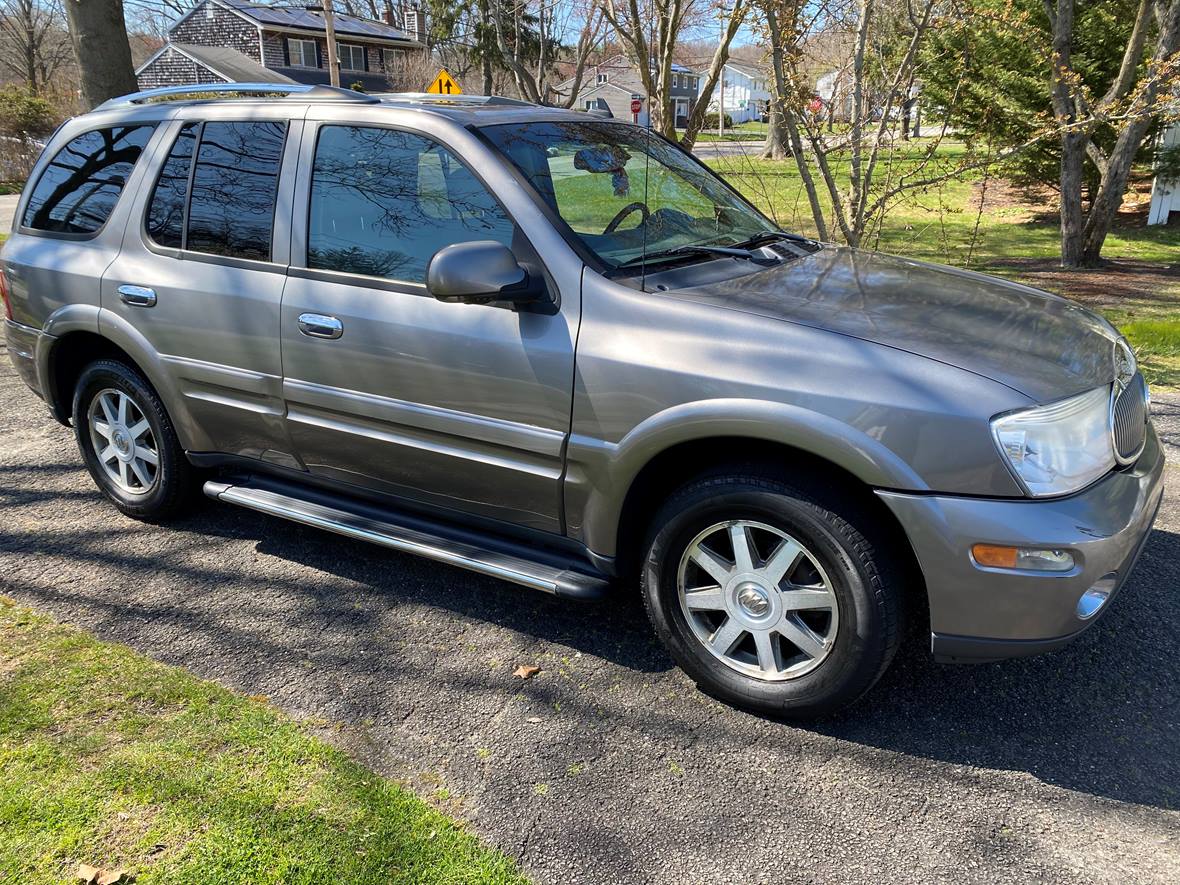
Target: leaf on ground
[526,671]
[114,877]
[87,873]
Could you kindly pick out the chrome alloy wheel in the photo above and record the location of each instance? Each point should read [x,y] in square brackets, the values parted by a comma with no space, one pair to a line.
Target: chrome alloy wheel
[123,441]
[758,600]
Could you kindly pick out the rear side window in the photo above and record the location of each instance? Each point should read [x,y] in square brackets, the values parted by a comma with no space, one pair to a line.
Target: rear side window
[383,202]
[228,209]
[78,190]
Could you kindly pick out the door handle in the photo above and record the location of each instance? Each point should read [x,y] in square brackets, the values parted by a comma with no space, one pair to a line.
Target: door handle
[317,325]
[137,296]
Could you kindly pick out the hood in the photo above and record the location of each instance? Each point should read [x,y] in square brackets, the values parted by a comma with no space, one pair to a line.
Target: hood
[1041,345]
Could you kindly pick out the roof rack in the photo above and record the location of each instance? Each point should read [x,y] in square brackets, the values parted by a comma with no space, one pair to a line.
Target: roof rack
[197,91]
[456,98]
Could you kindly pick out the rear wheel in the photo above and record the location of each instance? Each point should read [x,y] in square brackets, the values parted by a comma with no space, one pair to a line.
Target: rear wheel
[772,596]
[128,443]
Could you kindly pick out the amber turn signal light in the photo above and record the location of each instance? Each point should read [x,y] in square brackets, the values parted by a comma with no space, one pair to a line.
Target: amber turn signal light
[1025,558]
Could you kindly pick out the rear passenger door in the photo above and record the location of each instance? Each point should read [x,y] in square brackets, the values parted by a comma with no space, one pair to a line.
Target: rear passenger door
[458,405]
[201,272]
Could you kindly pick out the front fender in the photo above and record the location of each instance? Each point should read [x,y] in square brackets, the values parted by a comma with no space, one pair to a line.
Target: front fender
[599,473]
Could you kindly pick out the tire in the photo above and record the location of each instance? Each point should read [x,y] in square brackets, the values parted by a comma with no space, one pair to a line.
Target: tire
[146,431]
[847,593]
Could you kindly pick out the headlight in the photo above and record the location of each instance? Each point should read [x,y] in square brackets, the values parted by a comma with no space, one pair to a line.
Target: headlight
[1058,448]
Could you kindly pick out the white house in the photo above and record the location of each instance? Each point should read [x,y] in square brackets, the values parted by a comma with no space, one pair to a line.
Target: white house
[746,90]
[1165,192]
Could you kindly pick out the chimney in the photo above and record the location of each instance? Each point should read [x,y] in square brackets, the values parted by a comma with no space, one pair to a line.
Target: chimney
[413,22]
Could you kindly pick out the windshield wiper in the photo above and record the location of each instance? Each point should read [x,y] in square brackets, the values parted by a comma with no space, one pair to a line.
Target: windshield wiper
[773,236]
[676,251]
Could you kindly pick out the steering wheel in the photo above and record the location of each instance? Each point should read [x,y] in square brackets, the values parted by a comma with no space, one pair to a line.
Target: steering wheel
[624,212]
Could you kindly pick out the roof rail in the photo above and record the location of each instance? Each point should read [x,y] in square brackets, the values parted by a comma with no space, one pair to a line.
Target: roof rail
[457,98]
[198,91]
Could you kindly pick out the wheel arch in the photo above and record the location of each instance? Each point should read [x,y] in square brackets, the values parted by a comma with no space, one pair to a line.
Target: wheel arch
[74,346]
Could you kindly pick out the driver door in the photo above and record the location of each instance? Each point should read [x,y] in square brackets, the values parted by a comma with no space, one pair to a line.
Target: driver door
[461,406]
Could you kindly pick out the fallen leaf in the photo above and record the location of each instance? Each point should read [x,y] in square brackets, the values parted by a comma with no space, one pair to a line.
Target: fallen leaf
[113,877]
[526,671]
[87,873]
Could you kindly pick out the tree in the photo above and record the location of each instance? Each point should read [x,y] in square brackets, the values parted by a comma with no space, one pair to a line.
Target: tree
[531,39]
[1070,90]
[862,171]
[99,37]
[33,41]
[1127,106]
[650,31]
[696,117]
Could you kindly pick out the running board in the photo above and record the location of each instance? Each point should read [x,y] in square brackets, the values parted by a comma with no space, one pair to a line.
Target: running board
[342,520]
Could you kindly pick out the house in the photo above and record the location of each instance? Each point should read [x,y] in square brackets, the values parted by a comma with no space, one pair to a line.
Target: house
[745,89]
[235,41]
[613,83]
[1165,190]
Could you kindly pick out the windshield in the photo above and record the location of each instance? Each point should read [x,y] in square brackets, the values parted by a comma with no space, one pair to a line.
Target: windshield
[625,192]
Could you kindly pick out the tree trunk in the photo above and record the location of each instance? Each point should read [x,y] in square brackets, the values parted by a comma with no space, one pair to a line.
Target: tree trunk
[777,145]
[99,37]
[1073,153]
[485,56]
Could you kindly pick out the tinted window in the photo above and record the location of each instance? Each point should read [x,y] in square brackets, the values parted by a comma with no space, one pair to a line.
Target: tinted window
[383,202]
[165,223]
[79,188]
[231,211]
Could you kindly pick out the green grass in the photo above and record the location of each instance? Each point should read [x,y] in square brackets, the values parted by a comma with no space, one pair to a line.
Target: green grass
[111,759]
[750,131]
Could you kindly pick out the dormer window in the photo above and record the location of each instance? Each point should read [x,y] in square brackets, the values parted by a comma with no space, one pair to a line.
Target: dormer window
[601,79]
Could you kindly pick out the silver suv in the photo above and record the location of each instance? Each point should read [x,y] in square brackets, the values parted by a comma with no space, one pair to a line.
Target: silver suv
[558,350]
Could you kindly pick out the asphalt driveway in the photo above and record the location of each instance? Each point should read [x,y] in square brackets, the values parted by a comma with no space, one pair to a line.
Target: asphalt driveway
[609,766]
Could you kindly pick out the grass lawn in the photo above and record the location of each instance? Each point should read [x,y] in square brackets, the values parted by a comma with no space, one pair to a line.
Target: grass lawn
[750,131]
[110,759]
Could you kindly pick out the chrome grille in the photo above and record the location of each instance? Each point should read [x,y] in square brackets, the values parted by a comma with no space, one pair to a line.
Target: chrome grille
[1128,420]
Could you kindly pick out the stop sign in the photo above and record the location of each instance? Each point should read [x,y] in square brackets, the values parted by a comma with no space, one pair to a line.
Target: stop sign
[636,105]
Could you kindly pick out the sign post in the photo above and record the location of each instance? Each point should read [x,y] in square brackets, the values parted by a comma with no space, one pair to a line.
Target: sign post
[636,107]
[444,84]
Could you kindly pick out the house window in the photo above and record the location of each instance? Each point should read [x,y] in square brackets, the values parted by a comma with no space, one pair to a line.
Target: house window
[675,81]
[352,57]
[601,79]
[591,104]
[393,59]
[302,53]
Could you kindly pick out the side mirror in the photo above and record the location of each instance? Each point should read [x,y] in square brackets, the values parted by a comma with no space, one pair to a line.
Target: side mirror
[481,272]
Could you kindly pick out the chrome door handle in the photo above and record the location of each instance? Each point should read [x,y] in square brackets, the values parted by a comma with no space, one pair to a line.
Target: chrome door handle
[316,325]
[137,296]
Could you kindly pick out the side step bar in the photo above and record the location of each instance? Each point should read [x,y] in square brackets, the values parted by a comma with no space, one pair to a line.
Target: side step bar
[341,518]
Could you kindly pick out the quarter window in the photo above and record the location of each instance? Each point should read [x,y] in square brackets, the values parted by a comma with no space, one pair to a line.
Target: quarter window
[302,53]
[383,202]
[165,218]
[78,190]
[352,58]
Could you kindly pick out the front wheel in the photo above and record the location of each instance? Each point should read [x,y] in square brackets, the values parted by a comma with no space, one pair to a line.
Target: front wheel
[128,443]
[770,596]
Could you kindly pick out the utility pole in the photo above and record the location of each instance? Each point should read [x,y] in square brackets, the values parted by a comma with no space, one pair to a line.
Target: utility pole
[333,61]
[721,14]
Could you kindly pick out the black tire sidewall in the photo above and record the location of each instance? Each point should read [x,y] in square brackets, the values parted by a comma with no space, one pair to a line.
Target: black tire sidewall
[172,478]
[861,649]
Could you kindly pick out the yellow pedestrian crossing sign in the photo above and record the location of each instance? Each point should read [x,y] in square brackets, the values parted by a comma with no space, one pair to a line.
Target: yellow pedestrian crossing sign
[444,84]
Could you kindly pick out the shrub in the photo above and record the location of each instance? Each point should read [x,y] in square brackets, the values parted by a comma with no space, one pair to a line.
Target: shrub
[23,114]
[711,121]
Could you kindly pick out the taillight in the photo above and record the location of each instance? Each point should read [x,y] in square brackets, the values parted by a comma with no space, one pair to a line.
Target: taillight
[4,293]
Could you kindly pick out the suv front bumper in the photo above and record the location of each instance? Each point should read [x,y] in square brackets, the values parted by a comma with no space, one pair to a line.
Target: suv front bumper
[979,614]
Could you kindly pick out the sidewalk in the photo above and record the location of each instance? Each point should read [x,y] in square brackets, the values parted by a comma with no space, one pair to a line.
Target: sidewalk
[7,211]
